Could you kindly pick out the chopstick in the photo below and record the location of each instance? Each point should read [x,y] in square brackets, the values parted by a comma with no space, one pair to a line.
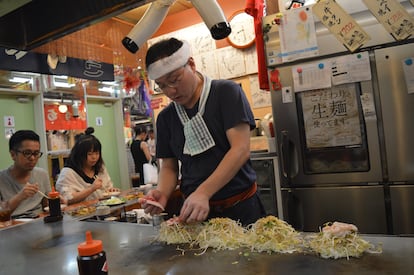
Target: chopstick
[43,194]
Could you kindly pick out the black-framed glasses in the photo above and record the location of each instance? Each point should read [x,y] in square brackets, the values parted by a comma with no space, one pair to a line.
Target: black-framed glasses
[27,153]
[175,82]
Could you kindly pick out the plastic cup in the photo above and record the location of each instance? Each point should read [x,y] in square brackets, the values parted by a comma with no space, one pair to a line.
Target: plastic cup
[135,180]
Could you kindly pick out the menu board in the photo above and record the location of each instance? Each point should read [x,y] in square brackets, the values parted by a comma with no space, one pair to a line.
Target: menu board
[331,117]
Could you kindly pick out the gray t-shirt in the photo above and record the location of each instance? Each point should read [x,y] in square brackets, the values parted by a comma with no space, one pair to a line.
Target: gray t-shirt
[9,187]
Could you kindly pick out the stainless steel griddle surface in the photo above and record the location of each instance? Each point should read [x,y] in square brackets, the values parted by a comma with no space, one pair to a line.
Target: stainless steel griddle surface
[38,248]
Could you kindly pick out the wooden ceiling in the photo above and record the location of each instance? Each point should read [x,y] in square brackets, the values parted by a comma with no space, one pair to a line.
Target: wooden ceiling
[134,15]
[102,41]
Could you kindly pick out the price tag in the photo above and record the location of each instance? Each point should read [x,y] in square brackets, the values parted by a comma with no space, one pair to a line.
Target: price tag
[341,24]
[392,15]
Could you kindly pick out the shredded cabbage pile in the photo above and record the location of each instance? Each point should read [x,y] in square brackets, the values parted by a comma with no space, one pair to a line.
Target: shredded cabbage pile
[221,234]
[343,245]
[271,234]
[178,233]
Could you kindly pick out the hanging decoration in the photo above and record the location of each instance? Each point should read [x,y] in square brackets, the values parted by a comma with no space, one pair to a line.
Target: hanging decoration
[139,104]
[131,79]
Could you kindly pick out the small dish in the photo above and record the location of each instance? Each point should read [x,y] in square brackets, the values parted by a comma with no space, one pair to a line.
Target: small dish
[110,194]
[24,220]
[112,201]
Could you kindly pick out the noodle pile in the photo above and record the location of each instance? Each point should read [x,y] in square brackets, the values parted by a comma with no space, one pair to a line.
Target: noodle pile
[271,234]
[268,234]
[221,234]
[339,240]
[178,233]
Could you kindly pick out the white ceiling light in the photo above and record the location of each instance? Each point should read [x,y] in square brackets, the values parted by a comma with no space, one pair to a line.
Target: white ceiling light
[63,108]
[106,89]
[62,81]
[17,79]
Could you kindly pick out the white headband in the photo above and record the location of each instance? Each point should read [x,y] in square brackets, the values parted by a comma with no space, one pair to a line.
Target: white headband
[170,63]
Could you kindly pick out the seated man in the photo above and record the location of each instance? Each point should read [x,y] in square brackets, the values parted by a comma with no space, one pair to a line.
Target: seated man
[20,182]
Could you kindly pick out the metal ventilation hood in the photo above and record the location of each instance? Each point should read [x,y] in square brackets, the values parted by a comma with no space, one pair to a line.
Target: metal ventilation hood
[40,21]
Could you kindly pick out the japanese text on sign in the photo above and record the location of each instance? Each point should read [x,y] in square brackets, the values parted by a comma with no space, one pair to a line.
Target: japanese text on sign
[341,24]
[331,117]
[392,15]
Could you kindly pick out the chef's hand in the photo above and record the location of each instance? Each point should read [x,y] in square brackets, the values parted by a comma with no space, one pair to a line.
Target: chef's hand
[195,208]
[29,190]
[153,195]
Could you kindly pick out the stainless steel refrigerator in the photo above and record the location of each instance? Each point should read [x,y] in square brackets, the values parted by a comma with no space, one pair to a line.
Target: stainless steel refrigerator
[346,151]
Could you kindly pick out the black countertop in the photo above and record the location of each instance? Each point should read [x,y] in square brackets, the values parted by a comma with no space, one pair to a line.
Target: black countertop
[39,248]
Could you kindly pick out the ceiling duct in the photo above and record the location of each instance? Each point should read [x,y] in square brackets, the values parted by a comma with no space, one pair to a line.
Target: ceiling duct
[41,21]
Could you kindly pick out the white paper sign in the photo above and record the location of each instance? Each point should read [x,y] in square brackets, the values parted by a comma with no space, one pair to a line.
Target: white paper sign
[312,76]
[297,34]
[287,95]
[8,132]
[260,98]
[350,68]
[340,24]
[8,121]
[99,121]
[331,117]
[393,16]
[408,67]
[206,63]
[230,62]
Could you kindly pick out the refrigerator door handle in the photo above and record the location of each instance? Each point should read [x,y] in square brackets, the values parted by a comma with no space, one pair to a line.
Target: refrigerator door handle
[285,156]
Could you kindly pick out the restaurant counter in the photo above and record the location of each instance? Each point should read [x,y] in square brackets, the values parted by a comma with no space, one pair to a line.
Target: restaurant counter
[51,248]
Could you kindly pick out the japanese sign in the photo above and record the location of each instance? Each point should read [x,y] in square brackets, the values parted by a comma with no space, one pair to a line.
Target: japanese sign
[331,117]
[341,24]
[22,61]
[392,15]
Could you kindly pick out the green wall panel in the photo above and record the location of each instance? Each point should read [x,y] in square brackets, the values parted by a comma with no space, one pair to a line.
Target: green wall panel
[23,114]
[106,133]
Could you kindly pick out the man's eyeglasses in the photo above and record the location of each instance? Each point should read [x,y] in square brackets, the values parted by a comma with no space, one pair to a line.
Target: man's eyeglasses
[173,83]
[27,153]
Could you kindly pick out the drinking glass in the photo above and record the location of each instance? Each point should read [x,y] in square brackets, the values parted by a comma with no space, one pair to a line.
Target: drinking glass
[5,214]
[135,180]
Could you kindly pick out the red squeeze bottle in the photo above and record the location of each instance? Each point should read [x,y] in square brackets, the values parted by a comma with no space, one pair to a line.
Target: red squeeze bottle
[91,257]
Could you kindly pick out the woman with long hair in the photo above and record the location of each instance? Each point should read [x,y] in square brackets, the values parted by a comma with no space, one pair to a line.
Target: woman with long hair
[84,176]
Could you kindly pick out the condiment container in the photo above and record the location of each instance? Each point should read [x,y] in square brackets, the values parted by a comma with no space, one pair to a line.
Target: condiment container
[131,216]
[91,257]
[54,203]
[55,213]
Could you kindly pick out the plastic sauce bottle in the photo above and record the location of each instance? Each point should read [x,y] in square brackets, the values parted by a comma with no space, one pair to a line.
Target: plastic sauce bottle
[55,213]
[54,203]
[91,258]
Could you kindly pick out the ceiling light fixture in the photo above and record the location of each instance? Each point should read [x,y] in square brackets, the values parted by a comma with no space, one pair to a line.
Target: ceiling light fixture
[17,79]
[23,99]
[63,108]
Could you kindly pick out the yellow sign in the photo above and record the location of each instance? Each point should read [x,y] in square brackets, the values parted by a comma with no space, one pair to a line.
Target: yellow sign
[341,24]
[392,15]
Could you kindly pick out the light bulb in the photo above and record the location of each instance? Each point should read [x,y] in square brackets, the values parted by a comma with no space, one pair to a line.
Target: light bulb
[63,108]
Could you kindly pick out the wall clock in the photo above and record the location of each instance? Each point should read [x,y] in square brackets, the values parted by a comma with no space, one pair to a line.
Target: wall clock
[242,34]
